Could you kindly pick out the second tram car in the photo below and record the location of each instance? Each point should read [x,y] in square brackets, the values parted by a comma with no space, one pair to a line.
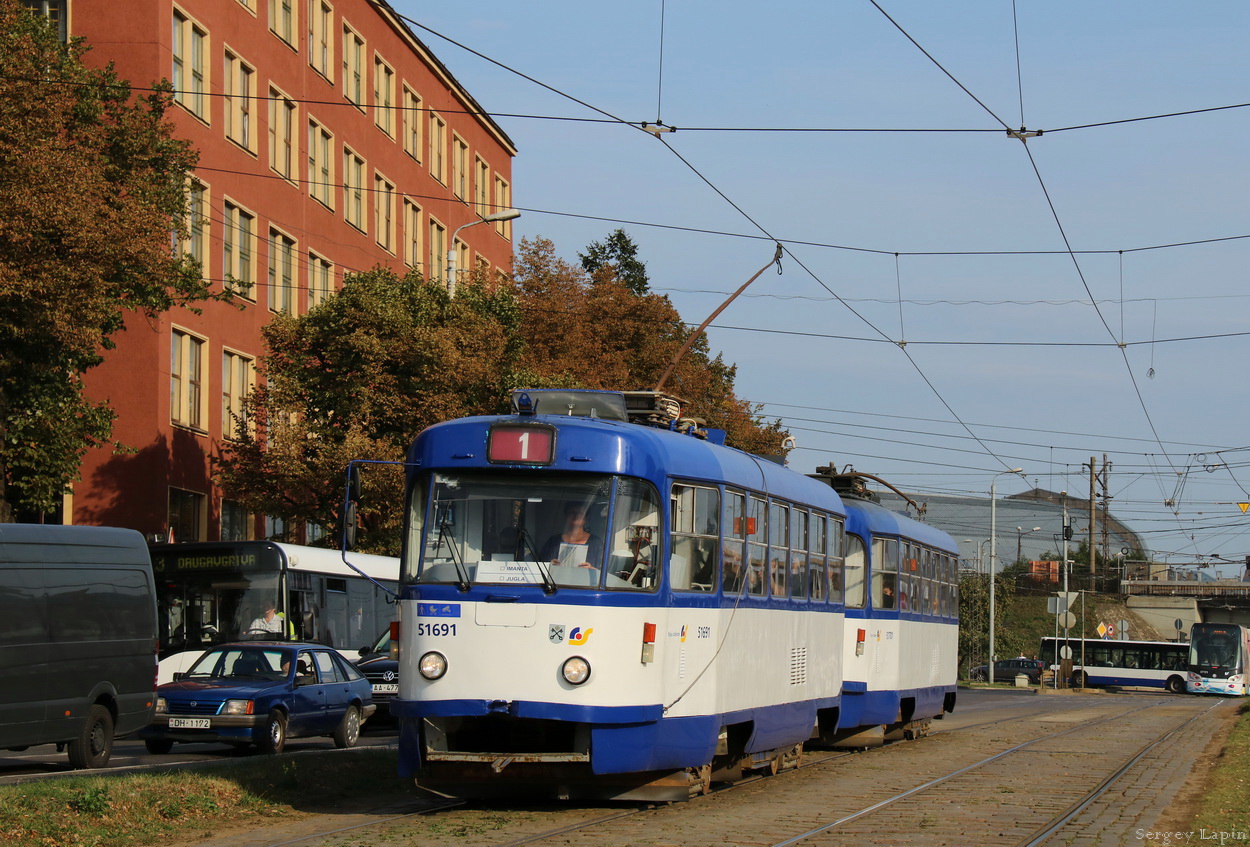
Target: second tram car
[592,608]
[1218,659]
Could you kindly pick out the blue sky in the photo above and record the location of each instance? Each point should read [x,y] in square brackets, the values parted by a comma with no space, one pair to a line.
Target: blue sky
[1005,341]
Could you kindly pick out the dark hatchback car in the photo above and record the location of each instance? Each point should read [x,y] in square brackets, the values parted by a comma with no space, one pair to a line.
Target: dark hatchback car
[261,693]
[1006,670]
[382,670]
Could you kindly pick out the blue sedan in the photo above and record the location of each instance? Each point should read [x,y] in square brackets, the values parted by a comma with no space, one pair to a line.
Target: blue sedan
[260,693]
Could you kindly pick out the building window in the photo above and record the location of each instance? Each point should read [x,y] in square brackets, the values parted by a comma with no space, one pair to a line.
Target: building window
[187,515]
[186,380]
[438,250]
[282,21]
[383,96]
[412,234]
[321,164]
[281,272]
[320,280]
[460,167]
[503,200]
[53,10]
[240,92]
[283,145]
[238,249]
[195,245]
[238,378]
[481,186]
[384,211]
[236,523]
[353,66]
[354,189]
[190,49]
[413,118]
[438,148]
[462,259]
[320,38]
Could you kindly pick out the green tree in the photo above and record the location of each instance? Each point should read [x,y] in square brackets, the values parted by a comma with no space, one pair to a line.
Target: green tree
[357,378]
[92,184]
[617,256]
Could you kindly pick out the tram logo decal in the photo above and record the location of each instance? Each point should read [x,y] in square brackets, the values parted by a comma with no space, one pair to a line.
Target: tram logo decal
[579,637]
[438,610]
[555,633]
[683,633]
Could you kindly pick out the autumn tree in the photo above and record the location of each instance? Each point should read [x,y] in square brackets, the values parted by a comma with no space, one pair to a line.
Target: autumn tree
[598,332]
[91,188]
[617,255]
[358,377]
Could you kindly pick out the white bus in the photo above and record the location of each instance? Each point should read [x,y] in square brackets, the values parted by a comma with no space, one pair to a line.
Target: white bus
[211,592]
[1096,661]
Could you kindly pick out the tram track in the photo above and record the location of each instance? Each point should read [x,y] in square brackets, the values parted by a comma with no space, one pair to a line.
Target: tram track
[1035,786]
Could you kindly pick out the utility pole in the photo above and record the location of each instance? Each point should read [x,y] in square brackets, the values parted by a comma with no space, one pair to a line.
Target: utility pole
[1093,519]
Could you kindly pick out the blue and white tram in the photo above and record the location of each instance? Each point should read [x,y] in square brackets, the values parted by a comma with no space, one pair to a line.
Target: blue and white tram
[593,608]
[1219,659]
[902,622]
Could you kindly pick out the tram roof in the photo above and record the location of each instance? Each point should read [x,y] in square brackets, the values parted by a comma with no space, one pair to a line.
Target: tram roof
[606,446]
[873,518]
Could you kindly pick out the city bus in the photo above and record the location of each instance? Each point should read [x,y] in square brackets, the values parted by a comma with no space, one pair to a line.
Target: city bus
[1098,661]
[1218,654]
[212,592]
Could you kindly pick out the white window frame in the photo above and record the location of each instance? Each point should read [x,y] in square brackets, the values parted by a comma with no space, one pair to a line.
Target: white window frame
[187,383]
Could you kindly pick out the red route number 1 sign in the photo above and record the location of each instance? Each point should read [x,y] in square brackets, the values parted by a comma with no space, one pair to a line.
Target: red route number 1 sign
[521,444]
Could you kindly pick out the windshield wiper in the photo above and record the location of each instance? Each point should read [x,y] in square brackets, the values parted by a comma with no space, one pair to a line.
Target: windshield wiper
[549,584]
[443,536]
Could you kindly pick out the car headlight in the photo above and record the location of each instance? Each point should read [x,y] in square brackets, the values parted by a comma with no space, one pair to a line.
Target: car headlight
[433,665]
[161,705]
[237,707]
[576,670]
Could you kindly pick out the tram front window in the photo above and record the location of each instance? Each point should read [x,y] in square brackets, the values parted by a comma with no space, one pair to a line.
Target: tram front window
[574,531]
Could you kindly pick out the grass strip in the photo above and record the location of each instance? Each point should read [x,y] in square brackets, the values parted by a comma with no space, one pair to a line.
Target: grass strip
[121,809]
[1224,808]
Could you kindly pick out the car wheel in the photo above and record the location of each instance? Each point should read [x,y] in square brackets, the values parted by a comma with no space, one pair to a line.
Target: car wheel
[274,737]
[1176,685]
[158,746]
[348,732]
[94,745]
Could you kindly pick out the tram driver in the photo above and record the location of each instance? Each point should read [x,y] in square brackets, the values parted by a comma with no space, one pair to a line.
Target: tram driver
[575,546]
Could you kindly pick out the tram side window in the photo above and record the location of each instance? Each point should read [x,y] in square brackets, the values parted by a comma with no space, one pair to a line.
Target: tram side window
[757,548]
[854,564]
[634,523]
[735,539]
[798,553]
[817,563]
[884,568]
[696,537]
[837,536]
[778,547]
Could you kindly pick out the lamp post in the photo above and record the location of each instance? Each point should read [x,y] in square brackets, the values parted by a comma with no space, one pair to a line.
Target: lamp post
[994,554]
[495,217]
[1020,533]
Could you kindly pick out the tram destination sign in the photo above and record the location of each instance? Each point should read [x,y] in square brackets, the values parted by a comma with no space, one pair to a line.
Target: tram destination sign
[521,444]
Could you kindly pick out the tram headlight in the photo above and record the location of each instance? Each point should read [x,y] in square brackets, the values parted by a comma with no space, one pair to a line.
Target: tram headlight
[433,665]
[575,670]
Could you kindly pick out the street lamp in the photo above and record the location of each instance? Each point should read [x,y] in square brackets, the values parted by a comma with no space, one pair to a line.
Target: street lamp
[1020,533]
[994,554]
[495,217]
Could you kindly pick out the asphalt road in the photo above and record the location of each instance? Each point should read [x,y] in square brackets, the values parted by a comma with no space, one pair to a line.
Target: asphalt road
[44,762]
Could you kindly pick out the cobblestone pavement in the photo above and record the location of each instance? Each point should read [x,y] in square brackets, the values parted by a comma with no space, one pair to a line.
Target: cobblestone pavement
[1078,741]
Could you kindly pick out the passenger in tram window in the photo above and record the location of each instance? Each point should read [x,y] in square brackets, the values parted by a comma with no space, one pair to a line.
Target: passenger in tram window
[732,582]
[887,591]
[576,545]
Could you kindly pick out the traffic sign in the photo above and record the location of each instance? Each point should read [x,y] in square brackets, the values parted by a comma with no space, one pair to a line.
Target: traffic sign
[1067,620]
[1102,630]
[1065,652]
[1111,630]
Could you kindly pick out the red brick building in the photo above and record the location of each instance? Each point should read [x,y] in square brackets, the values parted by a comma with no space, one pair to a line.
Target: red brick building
[331,140]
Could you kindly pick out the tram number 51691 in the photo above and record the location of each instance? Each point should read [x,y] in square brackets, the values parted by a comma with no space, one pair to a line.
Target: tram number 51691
[436,629]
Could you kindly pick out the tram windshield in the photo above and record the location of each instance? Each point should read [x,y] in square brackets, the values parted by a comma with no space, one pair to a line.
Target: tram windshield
[557,531]
[1215,650]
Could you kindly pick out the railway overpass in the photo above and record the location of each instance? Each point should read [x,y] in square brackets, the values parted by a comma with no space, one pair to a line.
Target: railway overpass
[1162,602]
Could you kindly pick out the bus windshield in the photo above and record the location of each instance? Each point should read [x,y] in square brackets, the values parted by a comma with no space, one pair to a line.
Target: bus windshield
[205,600]
[554,530]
